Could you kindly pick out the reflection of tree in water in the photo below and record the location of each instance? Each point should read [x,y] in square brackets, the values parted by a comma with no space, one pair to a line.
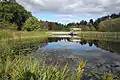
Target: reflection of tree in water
[83,42]
[57,39]
[106,45]
[109,46]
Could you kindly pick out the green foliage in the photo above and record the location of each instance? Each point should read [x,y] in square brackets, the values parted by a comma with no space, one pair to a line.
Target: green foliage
[32,24]
[54,26]
[8,25]
[14,13]
[110,25]
[10,41]
[29,68]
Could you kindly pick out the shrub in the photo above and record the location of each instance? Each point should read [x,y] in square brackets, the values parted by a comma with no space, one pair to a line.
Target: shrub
[32,24]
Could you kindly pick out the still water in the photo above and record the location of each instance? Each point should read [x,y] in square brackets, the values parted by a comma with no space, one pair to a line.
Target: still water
[100,55]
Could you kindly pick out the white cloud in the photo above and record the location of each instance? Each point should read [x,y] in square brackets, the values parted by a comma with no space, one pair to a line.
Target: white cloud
[65,10]
[67,20]
[64,16]
[72,6]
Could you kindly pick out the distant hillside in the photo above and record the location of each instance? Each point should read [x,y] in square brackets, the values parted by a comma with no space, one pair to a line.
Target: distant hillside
[112,25]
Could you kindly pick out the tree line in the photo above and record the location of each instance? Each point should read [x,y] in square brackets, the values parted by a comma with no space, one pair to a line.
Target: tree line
[104,18]
[13,15]
[92,25]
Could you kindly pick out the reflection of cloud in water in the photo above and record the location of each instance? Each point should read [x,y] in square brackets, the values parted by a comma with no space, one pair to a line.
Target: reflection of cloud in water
[65,48]
[94,55]
[75,46]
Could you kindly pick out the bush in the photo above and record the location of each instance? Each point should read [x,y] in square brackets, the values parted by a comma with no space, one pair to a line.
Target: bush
[32,24]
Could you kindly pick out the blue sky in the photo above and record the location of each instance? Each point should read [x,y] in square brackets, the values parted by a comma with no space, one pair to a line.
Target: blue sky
[65,11]
[64,18]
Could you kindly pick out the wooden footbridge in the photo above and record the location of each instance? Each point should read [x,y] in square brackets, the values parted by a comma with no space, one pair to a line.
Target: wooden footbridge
[64,35]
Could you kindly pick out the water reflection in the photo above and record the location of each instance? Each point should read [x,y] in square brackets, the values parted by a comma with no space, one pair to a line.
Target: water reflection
[100,55]
[109,46]
[105,45]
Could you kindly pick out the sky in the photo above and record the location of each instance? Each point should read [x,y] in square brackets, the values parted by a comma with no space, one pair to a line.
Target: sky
[66,11]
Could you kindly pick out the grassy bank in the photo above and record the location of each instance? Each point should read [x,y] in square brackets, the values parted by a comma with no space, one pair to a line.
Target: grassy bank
[108,36]
[5,34]
[24,37]
[15,42]
[110,25]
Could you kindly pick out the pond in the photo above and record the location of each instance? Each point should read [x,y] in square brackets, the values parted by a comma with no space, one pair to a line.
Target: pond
[100,55]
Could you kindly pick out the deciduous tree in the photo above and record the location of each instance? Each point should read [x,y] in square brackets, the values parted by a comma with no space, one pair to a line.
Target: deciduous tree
[32,24]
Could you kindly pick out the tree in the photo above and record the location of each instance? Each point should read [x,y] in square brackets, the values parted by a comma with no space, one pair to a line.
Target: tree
[13,12]
[91,22]
[82,22]
[113,16]
[8,1]
[96,23]
[85,22]
[32,24]
[7,25]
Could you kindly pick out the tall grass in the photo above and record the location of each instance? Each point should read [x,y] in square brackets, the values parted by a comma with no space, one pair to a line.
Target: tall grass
[11,40]
[29,68]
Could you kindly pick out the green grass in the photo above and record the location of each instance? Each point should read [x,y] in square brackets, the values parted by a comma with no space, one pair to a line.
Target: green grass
[23,37]
[112,25]
[29,68]
[32,33]
[11,40]
[108,36]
